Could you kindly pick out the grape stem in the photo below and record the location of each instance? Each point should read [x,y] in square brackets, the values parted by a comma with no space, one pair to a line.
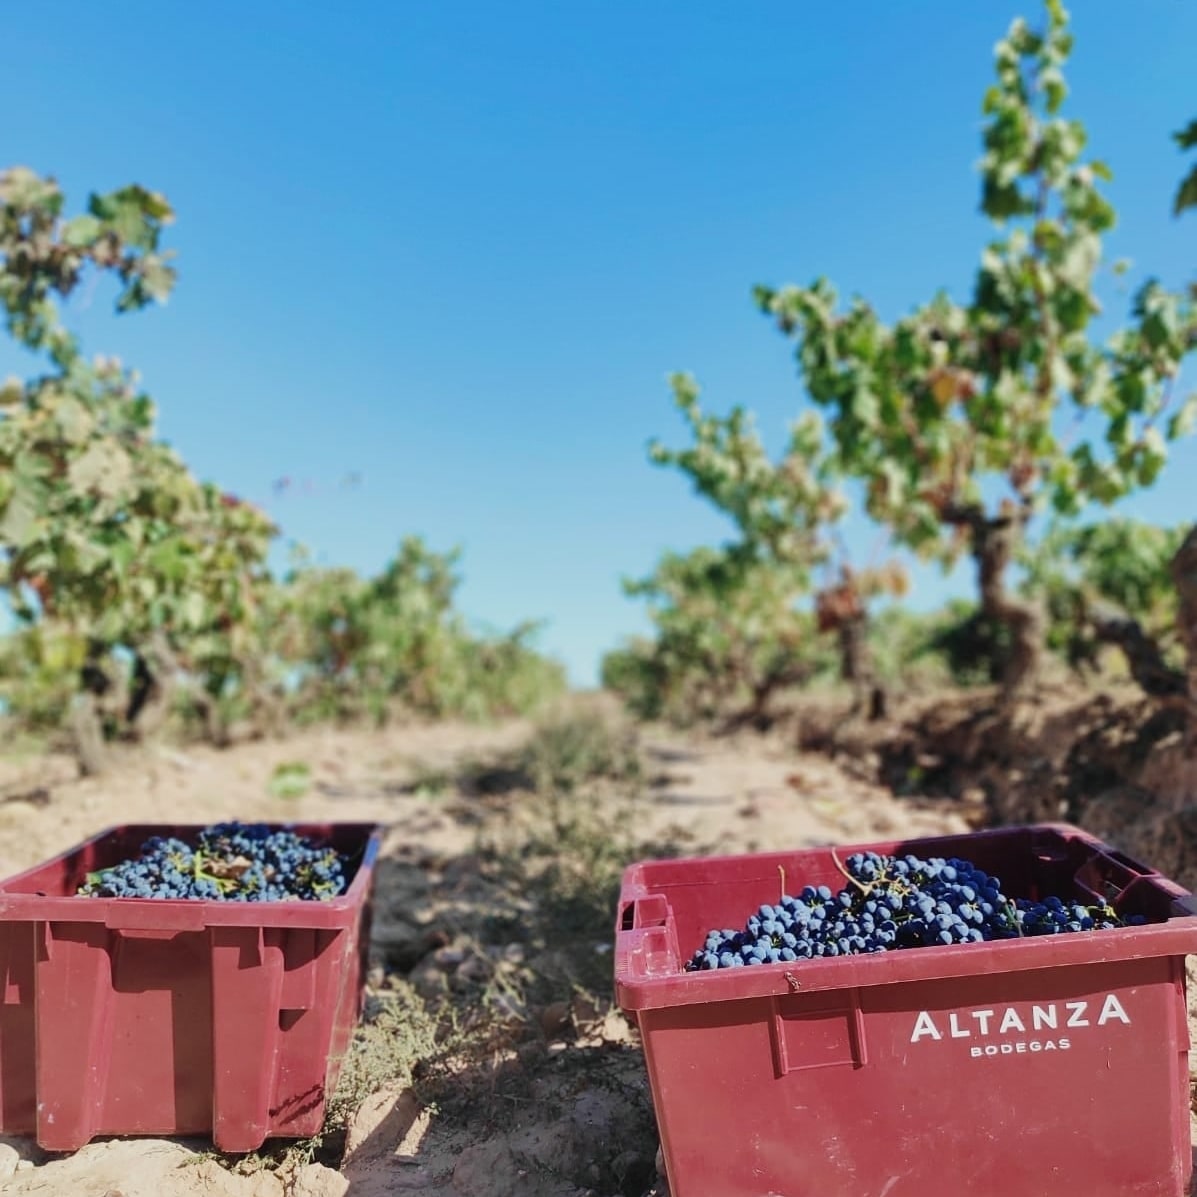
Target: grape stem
[864,888]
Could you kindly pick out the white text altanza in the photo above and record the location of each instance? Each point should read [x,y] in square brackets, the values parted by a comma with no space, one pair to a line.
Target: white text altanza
[1006,1027]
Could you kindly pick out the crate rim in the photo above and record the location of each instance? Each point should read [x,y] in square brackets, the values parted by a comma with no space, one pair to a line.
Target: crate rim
[641,984]
[189,913]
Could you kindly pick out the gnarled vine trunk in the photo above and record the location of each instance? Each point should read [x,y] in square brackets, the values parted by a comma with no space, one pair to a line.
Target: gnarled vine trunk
[102,691]
[781,674]
[115,704]
[857,669]
[86,729]
[268,701]
[1144,657]
[841,609]
[216,729]
[995,542]
[153,689]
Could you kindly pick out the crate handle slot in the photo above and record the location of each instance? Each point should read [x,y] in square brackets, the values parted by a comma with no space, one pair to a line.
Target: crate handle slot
[1125,861]
[1107,875]
[649,911]
[646,942]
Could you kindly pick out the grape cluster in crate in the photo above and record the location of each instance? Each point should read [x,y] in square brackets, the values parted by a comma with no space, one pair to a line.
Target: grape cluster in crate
[896,902]
[232,862]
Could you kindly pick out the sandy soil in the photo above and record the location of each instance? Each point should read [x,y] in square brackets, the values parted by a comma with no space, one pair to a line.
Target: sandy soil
[580,1122]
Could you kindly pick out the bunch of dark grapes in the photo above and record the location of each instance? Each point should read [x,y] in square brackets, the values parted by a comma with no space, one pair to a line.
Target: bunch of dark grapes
[895,902]
[231,862]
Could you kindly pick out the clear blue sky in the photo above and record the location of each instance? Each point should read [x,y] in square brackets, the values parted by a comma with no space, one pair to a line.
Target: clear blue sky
[458,248]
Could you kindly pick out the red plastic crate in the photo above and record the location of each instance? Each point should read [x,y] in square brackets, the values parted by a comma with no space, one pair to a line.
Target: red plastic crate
[1032,1067]
[176,1016]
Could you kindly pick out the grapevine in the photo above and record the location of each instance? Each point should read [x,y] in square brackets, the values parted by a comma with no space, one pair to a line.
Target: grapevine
[785,514]
[142,595]
[963,421]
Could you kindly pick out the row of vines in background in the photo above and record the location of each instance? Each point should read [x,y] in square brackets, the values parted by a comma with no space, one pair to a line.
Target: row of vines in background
[728,641]
[962,426]
[143,596]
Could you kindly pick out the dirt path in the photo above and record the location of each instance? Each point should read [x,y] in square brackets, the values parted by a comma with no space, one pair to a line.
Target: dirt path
[545,1093]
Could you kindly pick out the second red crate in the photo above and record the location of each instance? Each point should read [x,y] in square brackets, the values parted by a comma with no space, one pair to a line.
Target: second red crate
[172,1016]
[1020,1068]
